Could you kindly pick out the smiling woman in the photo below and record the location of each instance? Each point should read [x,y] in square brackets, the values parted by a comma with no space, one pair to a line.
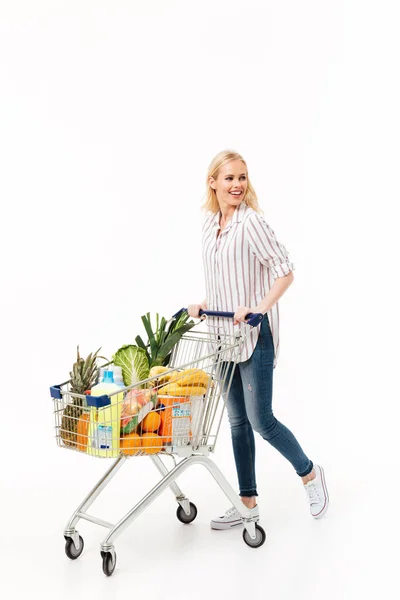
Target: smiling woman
[247,270]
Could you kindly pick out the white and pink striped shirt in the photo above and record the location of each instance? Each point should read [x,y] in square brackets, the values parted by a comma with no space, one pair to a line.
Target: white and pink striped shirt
[240,266]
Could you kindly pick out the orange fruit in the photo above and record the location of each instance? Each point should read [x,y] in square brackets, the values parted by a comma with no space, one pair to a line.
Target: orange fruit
[130,443]
[151,443]
[151,422]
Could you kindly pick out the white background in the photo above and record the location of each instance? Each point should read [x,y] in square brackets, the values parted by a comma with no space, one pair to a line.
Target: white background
[110,114]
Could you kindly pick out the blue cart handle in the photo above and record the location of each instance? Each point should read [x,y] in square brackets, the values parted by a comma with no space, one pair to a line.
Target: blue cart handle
[253,319]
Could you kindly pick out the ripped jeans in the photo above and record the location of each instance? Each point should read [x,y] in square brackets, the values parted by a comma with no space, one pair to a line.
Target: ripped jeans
[249,406]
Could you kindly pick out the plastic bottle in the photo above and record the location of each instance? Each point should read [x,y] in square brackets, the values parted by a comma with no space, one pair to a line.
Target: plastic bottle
[104,427]
[117,372]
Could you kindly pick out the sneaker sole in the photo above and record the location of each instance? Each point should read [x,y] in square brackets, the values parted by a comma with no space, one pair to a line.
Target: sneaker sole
[230,525]
[325,507]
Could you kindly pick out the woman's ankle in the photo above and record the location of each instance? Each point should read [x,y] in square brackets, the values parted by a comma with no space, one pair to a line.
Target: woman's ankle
[309,477]
[249,501]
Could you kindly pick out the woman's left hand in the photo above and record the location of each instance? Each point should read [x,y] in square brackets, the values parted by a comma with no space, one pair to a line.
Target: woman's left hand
[241,313]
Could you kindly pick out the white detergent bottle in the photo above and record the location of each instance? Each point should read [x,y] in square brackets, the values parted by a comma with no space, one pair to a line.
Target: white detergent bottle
[117,372]
[105,420]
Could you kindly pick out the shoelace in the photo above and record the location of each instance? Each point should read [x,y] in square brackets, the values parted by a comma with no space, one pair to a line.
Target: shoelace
[312,493]
[231,511]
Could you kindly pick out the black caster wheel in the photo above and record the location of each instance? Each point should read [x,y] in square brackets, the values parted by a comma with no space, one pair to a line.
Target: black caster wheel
[109,562]
[70,549]
[183,517]
[260,538]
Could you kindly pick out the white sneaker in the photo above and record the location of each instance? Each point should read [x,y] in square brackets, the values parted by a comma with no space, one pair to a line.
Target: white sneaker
[232,518]
[317,493]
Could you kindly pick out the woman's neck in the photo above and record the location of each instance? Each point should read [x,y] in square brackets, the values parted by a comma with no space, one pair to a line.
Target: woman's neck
[226,213]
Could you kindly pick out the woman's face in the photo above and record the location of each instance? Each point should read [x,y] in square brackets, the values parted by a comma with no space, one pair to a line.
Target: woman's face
[231,183]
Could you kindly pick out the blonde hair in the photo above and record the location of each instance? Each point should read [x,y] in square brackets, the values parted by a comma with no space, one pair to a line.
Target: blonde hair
[222,158]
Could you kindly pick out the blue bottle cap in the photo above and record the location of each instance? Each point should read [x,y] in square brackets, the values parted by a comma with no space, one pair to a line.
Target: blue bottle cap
[108,377]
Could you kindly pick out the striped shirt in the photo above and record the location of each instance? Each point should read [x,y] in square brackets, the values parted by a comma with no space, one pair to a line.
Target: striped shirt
[240,266]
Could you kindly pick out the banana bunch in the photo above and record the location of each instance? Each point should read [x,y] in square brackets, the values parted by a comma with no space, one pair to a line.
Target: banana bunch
[190,382]
[162,379]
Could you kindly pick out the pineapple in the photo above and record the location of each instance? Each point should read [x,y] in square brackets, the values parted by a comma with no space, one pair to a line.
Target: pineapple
[83,377]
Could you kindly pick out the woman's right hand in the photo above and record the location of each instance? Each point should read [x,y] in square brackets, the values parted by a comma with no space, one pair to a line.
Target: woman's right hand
[193,309]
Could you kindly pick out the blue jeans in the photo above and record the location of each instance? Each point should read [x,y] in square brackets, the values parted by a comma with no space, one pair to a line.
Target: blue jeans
[249,406]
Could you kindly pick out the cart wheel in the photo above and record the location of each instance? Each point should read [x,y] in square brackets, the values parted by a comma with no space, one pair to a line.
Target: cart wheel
[70,549]
[108,563]
[260,538]
[183,517]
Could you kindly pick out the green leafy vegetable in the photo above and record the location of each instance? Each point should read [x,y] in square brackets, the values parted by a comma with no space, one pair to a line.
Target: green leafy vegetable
[137,360]
[164,338]
[134,363]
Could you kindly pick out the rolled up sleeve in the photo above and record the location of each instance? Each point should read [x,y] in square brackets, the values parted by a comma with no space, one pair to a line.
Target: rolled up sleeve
[264,245]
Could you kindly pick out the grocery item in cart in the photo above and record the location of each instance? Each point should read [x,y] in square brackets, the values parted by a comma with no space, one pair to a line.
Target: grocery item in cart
[163,375]
[104,426]
[131,444]
[181,399]
[174,389]
[152,443]
[133,362]
[179,418]
[117,373]
[83,376]
[190,378]
[135,407]
[189,382]
[83,432]
[162,339]
[151,423]
[175,418]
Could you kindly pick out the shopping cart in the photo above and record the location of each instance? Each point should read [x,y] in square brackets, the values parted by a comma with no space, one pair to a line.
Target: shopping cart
[187,416]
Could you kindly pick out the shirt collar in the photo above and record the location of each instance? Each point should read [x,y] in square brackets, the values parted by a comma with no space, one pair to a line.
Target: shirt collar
[237,216]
